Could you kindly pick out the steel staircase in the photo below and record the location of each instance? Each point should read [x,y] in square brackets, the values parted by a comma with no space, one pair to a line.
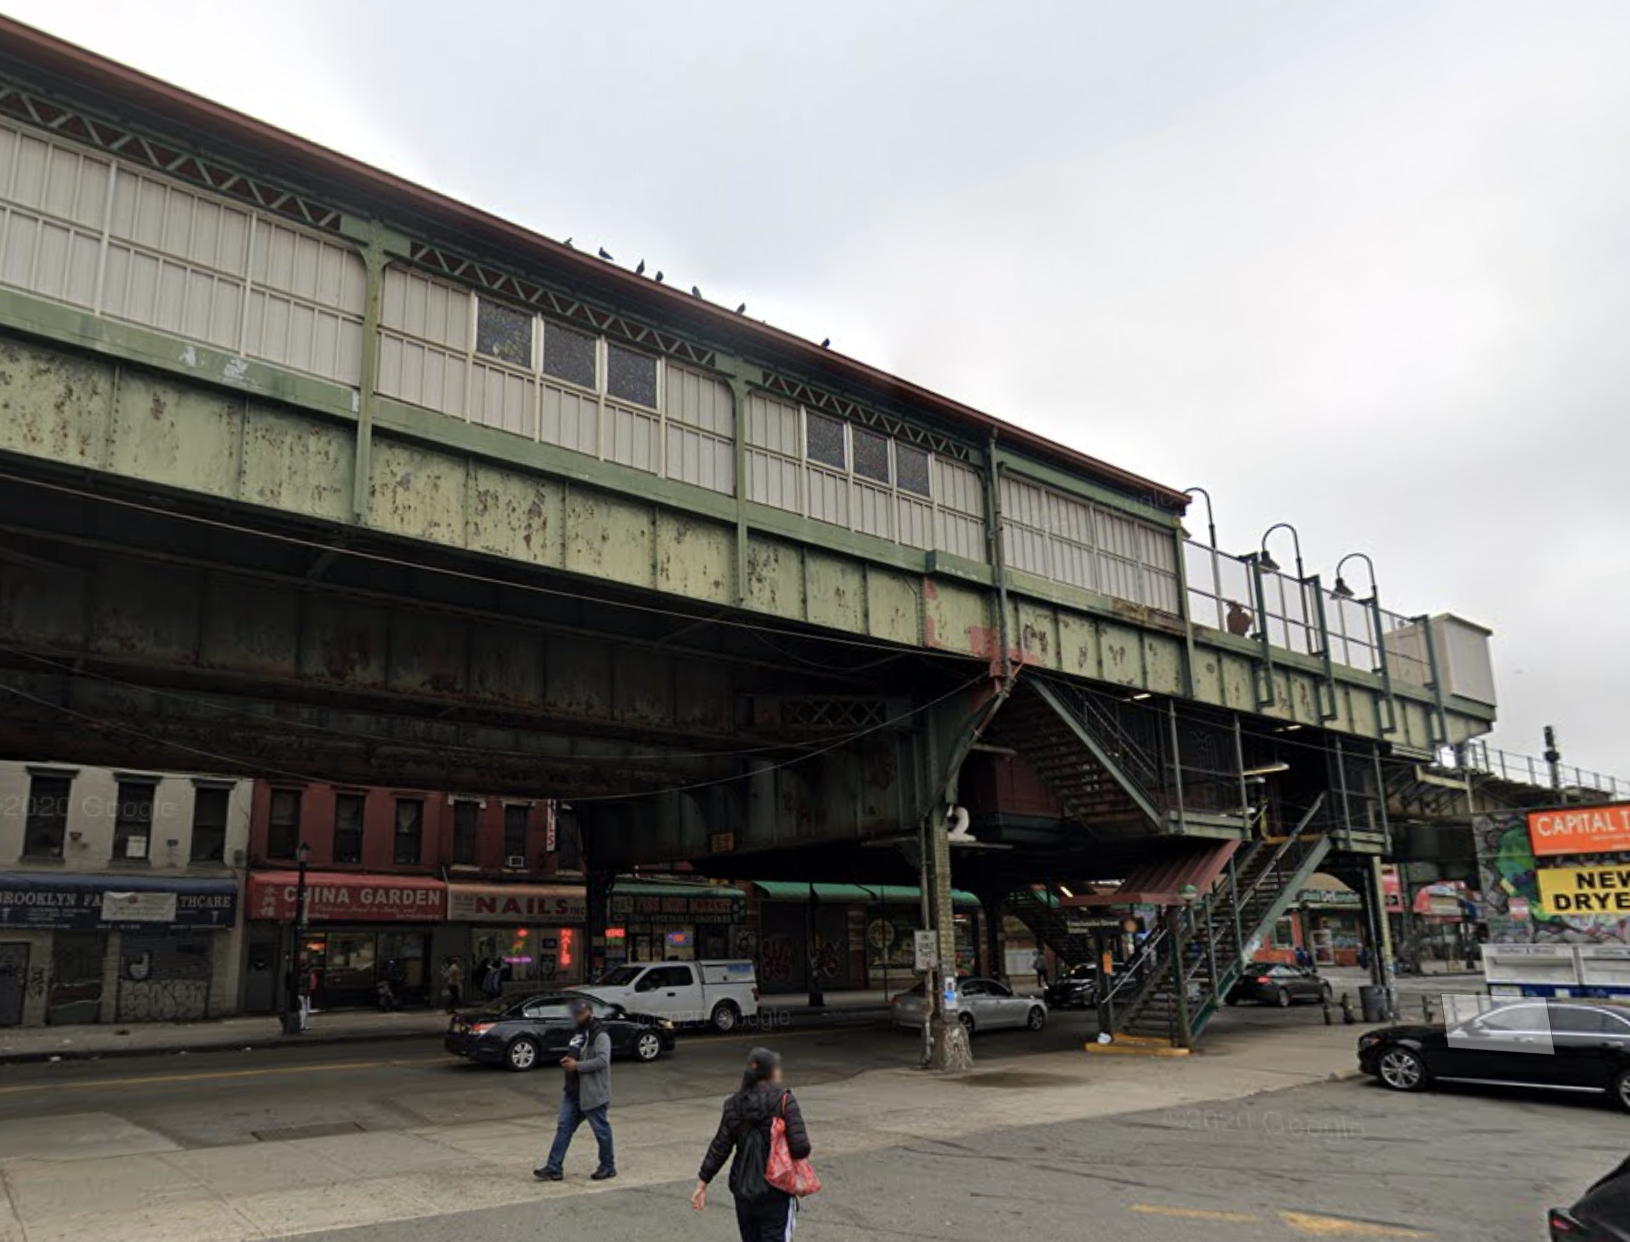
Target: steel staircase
[1049,922]
[1216,931]
[1098,771]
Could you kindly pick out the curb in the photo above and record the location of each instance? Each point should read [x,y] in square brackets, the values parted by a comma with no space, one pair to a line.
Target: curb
[276,1041]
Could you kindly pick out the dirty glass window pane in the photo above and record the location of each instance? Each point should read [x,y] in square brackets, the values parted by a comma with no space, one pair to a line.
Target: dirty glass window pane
[409,831]
[283,827]
[465,817]
[825,441]
[209,810]
[631,376]
[871,455]
[504,334]
[348,828]
[568,355]
[911,469]
[515,818]
[133,822]
[47,822]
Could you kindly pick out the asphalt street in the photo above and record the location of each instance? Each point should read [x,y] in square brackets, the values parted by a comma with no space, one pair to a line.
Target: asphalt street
[1343,1160]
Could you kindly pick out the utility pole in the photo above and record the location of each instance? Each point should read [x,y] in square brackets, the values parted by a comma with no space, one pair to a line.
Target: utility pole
[1553,757]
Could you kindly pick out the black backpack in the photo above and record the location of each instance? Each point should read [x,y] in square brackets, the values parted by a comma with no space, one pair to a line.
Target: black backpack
[752,1158]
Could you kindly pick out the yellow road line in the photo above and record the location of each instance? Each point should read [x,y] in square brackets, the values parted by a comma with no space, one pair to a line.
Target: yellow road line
[1338,1227]
[1152,1209]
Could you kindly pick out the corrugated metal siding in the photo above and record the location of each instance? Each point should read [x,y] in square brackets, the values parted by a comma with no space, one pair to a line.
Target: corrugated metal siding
[427,309]
[701,429]
[773,425]
[828,496]
[420,374]
[699,401]
[916,522]
[54,206]
[773,480]
[707,461]
[631,438]
[874,509]
[503,398]
[171,258]
[571,419]
[305,304]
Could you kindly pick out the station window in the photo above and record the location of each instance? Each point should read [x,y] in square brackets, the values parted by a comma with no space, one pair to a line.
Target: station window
[871,455]
[503,333]
[825,441]
[911,469]
[631,376]
[568,355]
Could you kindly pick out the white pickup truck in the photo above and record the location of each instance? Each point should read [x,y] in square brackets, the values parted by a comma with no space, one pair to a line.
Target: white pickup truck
[715,993]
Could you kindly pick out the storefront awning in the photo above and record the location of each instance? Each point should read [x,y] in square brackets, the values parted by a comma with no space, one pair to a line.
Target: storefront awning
[635,887]
[1162,881]
[854,894]
[335,895]
[46,900]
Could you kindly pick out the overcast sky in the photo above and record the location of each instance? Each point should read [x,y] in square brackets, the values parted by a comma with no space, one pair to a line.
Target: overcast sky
[1358,266]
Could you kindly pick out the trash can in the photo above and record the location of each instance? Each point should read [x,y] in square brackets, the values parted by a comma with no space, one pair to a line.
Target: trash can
[1374,1003]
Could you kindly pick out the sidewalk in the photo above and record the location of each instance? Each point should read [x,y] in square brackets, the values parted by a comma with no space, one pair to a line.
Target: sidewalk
[343,1026]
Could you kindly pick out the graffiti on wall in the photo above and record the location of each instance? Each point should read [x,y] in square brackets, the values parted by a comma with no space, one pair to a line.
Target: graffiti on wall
[1511,890]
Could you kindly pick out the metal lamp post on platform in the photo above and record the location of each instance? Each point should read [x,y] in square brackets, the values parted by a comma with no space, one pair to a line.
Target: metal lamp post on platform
[292,1011]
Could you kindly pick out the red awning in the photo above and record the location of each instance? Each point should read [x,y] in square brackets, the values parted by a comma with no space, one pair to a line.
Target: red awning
[346,895]
[1161,881]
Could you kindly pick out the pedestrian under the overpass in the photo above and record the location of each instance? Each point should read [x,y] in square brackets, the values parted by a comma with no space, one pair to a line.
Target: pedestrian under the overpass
[585,1095]
[1039,963]
[763,1212]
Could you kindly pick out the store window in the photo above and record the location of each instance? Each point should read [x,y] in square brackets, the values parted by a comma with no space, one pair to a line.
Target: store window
[47,823]
[532,954]
[348,828]
[209,810]
[283,824]
[409,832]
[465,816]
[133,820]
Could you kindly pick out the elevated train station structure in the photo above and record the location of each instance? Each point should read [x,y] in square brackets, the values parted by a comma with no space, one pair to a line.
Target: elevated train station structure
[311,473]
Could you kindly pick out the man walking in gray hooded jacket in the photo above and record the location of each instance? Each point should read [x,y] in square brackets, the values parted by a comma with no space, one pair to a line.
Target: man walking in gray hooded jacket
[585,1095]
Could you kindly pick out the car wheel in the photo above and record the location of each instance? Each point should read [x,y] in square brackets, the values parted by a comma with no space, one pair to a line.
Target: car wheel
[1621,1089]
[967,1023]
[1401,1069]
[724,1017]
[647,1046]
[1282,999]
[521,1055]
[1037,1018]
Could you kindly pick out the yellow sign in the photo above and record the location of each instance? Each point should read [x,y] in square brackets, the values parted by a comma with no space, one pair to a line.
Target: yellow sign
[1584,890]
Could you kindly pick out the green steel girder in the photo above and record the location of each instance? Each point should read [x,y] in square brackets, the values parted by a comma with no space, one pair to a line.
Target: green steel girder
[201,423]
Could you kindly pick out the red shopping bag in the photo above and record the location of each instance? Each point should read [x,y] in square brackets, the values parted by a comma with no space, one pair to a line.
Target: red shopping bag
[795,1177]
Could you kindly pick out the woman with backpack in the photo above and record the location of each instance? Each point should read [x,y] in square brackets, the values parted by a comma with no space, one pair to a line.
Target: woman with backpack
[763,1212]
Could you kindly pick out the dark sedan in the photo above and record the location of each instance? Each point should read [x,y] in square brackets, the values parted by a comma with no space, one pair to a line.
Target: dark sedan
[1076,988]
[536,1030]
[1270,983]
[1602,1213]
[1573,1046]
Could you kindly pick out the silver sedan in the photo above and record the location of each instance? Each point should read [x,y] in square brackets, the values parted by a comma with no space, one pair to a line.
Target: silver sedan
[982,1005]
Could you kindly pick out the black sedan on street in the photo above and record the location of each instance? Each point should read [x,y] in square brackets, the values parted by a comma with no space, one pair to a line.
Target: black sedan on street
[1602,1213]
[1270,983]
[1076,988]
[533,1031]
[1573,1046]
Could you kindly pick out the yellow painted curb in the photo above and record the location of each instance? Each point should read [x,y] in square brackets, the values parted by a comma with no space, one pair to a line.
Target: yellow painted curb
[1135,1050]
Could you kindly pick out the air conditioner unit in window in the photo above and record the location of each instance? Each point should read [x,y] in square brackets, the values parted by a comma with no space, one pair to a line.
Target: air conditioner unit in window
[515,862]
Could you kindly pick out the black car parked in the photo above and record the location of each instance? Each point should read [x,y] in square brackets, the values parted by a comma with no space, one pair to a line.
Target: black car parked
[1602,1213]
[1076,988]
[536,1030]
[1270,983]
[1575,1046]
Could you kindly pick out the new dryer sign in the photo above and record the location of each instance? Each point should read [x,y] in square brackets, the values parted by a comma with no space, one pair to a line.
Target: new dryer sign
[1602,829]
[1584,890]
